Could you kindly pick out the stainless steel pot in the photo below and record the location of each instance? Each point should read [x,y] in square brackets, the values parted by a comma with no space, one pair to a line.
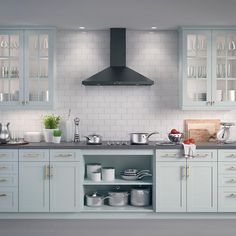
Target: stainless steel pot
[94,139]
[94,199]
[140,197]
[140,138]
[118,198]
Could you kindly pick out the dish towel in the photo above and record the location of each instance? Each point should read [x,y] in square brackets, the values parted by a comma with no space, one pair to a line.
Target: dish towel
[189,150]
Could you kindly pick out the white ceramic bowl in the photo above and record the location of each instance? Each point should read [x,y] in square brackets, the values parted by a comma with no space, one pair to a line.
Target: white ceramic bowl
[33,137]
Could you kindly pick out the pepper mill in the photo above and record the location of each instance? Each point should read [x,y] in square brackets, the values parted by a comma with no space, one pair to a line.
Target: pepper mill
[76,135]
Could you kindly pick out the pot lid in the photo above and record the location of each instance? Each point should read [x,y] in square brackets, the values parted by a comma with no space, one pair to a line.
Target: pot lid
[94,194]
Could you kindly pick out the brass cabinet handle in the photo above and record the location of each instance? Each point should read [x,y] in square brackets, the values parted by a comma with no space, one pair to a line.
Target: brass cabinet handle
[46,171]
[3,167]
[183,172]
[188,171]
[51,170]
[3,194]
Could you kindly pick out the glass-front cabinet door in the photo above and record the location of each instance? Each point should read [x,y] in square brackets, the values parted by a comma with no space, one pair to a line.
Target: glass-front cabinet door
[224,68]
[196,68]
[11,74]
[39,67]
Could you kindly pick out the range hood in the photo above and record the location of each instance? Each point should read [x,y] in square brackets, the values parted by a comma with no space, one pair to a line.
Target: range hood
[117,73]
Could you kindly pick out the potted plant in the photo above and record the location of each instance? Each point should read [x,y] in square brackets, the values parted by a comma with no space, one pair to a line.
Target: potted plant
[56,136]
[51,123]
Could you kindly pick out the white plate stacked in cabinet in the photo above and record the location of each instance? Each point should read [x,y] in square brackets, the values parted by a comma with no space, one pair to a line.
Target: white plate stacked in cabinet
[9,180]
[227,180]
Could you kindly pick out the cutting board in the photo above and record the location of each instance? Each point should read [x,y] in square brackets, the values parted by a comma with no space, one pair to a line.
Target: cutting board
[202,130]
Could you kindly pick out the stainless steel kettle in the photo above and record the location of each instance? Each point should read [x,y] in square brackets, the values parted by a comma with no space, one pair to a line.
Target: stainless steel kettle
[4,133]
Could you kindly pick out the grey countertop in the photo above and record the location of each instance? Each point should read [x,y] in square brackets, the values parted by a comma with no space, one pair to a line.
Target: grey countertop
[104,145]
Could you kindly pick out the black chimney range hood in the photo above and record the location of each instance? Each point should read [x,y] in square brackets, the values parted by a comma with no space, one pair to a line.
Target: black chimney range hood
[117,74]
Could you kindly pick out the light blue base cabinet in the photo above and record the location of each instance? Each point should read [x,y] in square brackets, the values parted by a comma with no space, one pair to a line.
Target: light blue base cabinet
[49,186]
[186,186]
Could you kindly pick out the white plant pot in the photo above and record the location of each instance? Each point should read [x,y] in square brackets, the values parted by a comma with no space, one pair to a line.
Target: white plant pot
[48,135]
[56,139]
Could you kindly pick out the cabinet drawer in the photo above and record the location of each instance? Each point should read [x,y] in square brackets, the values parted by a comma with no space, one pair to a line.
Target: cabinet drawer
[227,155]
[8,180]
[169,155]
[8,168]
[204,155]
[227,199]
[34,155]
[227,168]
[227,181]
[64,155]
[8,199]
[8,155]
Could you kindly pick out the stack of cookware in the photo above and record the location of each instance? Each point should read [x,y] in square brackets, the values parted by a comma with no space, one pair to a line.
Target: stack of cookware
[135,174]
[139,196]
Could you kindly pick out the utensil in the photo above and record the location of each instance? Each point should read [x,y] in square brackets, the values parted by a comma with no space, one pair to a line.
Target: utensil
[94,199]
[4,133]
[94,139]
[96,176]
[140,138]
[118,198]
[92,167]
[108,173]
[140,197]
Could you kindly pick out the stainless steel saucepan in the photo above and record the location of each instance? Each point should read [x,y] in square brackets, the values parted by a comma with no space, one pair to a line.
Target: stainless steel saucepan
[140,138]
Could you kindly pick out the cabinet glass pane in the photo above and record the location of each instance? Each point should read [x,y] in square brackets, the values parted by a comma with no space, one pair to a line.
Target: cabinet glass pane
[197,67]
[9,67]
[225,73]
[38,68]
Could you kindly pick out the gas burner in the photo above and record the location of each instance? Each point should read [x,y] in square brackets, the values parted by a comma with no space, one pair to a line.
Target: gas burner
[120,143]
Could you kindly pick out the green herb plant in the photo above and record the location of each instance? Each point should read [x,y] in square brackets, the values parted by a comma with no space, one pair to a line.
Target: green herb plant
[51,121]
[57,133]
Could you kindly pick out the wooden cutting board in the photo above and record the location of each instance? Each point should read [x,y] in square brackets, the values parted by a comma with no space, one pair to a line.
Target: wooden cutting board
[202,130]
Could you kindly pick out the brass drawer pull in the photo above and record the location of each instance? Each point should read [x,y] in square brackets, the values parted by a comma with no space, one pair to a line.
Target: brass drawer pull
[3,155]
[201,155]
[232,155]
[232,195]
[64,155]
[3,194]
[231,181]
[3,167]
[32,155]
[3,180]
[170,155]
[232,168]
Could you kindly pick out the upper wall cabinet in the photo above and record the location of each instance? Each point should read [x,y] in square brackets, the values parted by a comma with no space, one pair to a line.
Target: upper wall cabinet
[208,69]
[26,68]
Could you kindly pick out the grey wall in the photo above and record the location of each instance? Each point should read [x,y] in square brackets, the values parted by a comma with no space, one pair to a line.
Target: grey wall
[118,228]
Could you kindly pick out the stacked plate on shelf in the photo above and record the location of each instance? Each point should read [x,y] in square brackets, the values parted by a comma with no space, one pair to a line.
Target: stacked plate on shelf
[135,174]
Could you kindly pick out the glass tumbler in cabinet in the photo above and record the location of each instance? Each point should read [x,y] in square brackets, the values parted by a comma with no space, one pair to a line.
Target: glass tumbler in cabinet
[10,67]
[224,68]
[196,68]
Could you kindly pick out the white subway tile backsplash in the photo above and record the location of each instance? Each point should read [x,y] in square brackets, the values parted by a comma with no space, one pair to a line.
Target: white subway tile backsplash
[114,112]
